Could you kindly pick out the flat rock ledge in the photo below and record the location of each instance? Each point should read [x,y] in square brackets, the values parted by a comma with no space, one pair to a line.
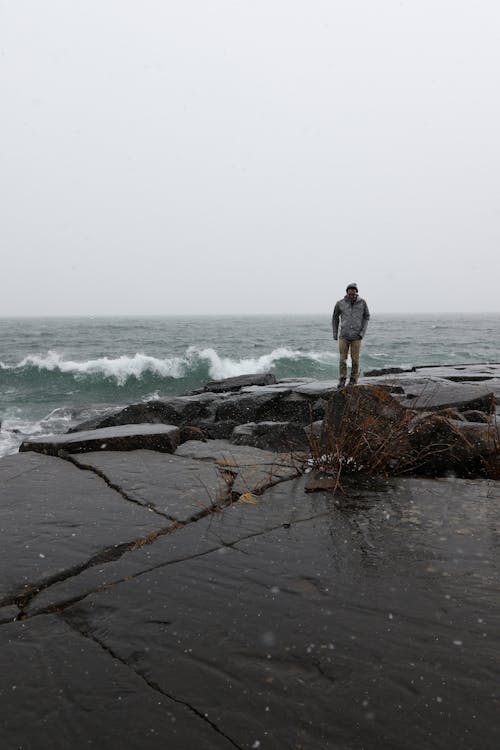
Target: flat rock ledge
[168,581]
[164,438]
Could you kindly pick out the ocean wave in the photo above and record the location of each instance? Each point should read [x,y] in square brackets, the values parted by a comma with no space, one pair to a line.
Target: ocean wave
[119,369]
[226,367]
[194,361]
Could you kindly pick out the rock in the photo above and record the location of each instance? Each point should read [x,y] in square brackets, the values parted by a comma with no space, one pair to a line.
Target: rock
[252,469]
[368,430]
[367,427]
[273,436]
[178,487]
[387,371]
[189,432]
[442,445]
[428,395]
[238,382]
[248,407]
[280,414]
[136,611]
[72,694]
[270,620]
[174,411]
[164,438]
[221,430]
[55,518]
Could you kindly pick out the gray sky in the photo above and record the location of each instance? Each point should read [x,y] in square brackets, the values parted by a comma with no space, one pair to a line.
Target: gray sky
[249,156]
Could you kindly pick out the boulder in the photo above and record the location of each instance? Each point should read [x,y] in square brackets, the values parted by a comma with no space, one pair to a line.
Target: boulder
[387,371]
[163,438]
[273,436]
[441,445]
[238,382]
[173,411]
[221,430]
[432,395]
[367,427]
[249,407]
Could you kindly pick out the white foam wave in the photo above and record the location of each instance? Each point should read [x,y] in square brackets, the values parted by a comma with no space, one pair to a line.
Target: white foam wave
[225,367]
[124,367]
[119,369]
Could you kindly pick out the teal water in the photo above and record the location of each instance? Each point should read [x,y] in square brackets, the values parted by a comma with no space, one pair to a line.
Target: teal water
[54,371]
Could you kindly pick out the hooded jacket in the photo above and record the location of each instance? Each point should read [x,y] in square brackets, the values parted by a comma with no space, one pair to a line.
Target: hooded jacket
[353,318]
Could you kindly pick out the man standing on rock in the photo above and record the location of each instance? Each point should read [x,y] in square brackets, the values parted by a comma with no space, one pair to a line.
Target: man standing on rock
[353,315]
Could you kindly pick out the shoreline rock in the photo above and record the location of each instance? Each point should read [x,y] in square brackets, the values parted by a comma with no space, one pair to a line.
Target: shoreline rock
[261,412]
[196,595]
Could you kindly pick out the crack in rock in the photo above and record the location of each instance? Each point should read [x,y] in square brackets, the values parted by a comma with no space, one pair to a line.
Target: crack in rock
[59,607]
[150,683]
[150,506]
[110,554]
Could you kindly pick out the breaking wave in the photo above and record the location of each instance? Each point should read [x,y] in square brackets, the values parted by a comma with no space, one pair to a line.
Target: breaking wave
[195,366]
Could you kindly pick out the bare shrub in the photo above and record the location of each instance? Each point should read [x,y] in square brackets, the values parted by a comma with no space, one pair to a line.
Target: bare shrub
[366,431]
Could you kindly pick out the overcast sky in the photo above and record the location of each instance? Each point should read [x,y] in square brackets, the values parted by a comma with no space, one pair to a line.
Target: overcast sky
[249,156]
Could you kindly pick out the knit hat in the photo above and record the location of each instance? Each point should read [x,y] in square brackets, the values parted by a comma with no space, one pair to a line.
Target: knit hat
[352,286]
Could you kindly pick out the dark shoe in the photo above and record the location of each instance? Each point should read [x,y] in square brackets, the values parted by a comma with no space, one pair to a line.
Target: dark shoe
[353,382]
[341,384]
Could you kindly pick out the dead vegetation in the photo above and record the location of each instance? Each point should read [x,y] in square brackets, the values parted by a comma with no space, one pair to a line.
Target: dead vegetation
[366,432]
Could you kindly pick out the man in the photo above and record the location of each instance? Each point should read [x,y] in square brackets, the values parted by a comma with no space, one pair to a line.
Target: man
[353,314]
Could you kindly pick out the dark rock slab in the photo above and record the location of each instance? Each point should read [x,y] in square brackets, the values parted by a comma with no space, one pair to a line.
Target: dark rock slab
[280,387]
[61,690]
[367,427]
[128,437]
[387,371]
[240,381]
[56,518]
[253,469]
[272,436]
[353,629]
[467,372]
[319,388]
[445,445]
[431,395]
[221,430]
[178,487]
[250,407]
[269,404]
[176,410]
[278,507]
[298,408]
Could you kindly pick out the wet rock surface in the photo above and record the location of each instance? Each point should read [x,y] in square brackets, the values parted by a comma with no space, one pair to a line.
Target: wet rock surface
[296,620]
[56,518]
[128,437]
[200,597]
[177,487]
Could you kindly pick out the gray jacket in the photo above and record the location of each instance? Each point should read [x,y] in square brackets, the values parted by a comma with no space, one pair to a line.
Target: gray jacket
[353,317]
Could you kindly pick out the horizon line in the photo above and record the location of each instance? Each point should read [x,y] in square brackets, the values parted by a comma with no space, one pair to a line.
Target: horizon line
[234,314]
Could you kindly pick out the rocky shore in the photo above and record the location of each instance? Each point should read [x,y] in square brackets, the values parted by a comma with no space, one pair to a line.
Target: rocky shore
[170,579]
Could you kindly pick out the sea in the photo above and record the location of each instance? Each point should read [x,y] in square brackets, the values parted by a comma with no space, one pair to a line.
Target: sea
[56,372]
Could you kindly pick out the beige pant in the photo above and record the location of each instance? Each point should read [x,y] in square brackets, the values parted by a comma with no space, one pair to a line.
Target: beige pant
[355,347]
